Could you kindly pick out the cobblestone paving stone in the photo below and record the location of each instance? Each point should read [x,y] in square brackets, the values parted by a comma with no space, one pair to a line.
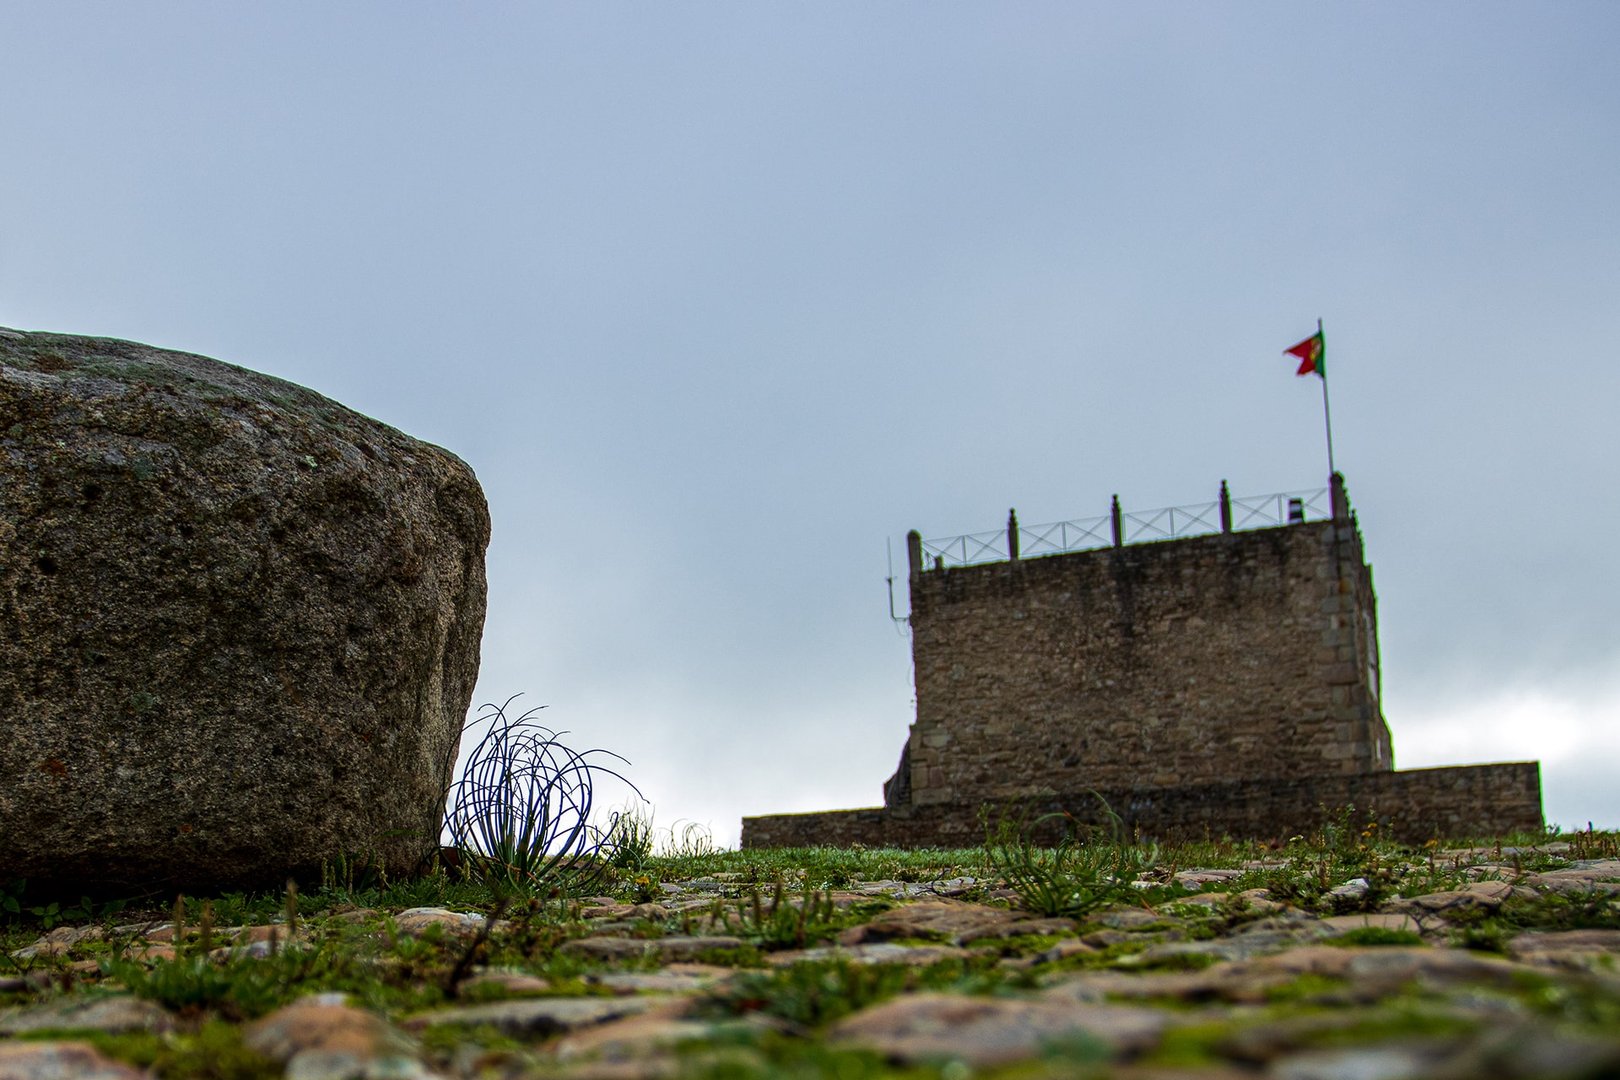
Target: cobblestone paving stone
[1199,978]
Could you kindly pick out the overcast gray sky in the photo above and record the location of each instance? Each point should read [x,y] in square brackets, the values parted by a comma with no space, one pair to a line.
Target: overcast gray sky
[719,298]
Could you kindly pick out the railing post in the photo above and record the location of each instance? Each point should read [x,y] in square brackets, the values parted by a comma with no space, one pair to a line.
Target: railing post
[1119,523]
[914,553]
[1338,497]
[1012,535]
[1226,509]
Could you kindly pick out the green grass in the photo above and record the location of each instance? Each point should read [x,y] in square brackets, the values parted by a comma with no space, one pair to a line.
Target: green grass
[1310,867]
[745,1054]
[390,975]
[213,1051]
[821,867]
[784,920]
[1364,936]
[817,993]
[1081,873]
[787,898]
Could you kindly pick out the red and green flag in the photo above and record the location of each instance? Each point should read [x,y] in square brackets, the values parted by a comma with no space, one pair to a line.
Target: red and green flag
[1312,353]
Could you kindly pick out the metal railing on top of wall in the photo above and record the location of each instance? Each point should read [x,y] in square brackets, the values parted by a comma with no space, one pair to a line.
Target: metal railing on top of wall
[1120,527]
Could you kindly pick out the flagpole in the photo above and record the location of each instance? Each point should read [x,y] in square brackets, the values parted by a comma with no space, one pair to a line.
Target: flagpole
[1327,414]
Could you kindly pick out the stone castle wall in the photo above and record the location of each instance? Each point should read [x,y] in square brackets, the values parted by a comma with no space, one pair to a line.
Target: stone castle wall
[1213,685]
[1246,654]
[1413,806]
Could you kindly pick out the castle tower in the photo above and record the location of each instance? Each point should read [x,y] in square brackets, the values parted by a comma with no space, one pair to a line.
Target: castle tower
[1235,656]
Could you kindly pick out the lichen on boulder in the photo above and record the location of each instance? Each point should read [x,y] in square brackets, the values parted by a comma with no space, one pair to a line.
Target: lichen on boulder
[239,623]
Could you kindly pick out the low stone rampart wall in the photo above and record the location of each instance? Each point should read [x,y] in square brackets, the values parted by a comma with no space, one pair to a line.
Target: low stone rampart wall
[1412,805]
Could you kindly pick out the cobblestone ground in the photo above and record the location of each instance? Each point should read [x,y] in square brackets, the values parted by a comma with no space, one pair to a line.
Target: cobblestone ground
[1506,972]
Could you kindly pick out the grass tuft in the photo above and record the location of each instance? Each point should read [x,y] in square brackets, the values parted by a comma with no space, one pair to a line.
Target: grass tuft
[521,812]
[1077,876]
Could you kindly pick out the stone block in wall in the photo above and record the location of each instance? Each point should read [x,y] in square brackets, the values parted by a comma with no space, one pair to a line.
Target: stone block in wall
[1341,674]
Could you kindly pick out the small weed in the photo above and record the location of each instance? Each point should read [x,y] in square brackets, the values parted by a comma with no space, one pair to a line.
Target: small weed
[1176,961]
[239,909]
[1400,1019]
[55,913]
[1191,1045]
[1305,988]
[746,956]
[1594,910]
[1078,1049]
[531,934]
[474,948]
[213,1051]
[444,1039]
[1482,937]
[781,923]
[818,993]
[436,888]
[50,915]
[191,985]
[630,843]
[1121,954]
[1571,1002]
[1593,844]
[11,894]
[348,874]
[1374,935]
[342,957]
[1018,945]
[823,866]
[644,890]
[1432,875]
[745,1053]
[1073,878]
[694,842]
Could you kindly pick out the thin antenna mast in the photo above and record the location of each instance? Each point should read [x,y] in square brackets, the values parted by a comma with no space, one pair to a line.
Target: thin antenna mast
[888,548]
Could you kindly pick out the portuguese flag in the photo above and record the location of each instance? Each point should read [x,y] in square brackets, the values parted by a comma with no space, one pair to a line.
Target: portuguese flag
[1312,353]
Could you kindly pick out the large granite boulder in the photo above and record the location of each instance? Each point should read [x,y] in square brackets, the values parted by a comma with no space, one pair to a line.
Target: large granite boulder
[239,623]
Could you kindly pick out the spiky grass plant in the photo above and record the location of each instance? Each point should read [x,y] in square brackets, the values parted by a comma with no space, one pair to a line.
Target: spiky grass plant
[694,841]
[782,922]
[1077,876]
[521,812]
[632,837]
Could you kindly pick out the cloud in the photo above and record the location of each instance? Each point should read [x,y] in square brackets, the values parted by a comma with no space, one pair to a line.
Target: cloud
[1572,727]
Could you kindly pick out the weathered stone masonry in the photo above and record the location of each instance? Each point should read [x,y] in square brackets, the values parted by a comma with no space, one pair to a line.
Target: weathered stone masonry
[1179,662]
[1217,684]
